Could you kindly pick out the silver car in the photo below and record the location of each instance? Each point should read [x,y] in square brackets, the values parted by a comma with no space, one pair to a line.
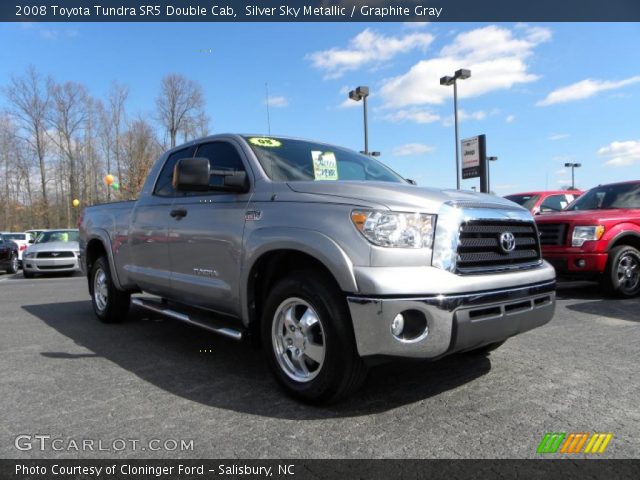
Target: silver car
[54,251]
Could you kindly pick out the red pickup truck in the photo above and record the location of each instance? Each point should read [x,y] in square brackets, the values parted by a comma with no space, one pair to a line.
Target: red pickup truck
[597,237]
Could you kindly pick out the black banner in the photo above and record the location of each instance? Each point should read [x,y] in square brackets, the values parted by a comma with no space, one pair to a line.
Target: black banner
[319,11]
[317,469]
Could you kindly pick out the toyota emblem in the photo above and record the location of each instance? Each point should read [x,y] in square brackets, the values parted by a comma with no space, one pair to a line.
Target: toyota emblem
[507,242]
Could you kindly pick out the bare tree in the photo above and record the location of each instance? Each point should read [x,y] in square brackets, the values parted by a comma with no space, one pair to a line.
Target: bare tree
[67,119]
[180,102]
[141,149]
[117,116]
[195,127]
[29,102]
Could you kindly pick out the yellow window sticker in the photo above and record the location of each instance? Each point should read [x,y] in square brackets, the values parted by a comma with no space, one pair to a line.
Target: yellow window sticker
[265,142]
[325,166]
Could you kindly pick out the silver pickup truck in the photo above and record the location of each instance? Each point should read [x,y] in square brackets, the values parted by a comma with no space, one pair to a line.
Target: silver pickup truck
[325,257]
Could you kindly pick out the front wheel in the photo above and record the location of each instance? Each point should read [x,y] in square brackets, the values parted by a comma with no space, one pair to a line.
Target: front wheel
[109,304]
[308,339]
[622,275]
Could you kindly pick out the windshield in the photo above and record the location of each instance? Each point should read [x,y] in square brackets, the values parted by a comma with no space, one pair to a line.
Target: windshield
[620,195]
[15,236]
[58,236]
[294,160]
[526,201]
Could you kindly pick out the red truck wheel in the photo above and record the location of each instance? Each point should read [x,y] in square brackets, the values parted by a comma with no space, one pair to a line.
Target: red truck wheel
[622,275]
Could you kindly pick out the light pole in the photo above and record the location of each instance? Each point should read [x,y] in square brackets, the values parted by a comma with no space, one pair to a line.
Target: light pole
[461,74]
[489,159]
[361,93]
[573,166]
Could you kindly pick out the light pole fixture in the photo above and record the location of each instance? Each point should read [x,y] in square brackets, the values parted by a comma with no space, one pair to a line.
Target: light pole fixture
[489,159]
[573,166]
[447,81]
[361,93]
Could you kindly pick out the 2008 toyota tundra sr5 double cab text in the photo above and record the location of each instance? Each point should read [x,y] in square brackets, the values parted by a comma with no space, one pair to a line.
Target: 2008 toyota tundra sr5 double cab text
[326,257]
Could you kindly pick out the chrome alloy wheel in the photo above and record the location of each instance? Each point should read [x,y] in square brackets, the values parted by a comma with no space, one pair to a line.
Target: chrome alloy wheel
[628,272]
[100,290]
[298,339]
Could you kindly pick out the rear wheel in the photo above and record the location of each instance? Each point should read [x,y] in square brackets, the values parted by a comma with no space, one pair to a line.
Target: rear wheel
[13,264]
[109,304]
[308,339]
[622,275]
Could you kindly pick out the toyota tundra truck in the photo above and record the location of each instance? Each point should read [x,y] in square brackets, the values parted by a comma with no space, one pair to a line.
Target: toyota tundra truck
[597,237]
[325,257]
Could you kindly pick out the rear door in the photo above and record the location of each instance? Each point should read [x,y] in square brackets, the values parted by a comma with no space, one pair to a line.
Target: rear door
[206,243]
[148,237]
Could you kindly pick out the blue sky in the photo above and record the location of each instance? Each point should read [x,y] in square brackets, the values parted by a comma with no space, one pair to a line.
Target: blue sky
[544,94]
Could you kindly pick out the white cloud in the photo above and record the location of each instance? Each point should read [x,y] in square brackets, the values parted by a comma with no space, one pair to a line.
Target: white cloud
[277,102]
[368,48]
[348,103]
[621,154]
[463,115]
[411,149]
[558,136]
[495,55]
[510,118]
[413,114]
[584,89]
[414,25]
[56,33]
[561,171]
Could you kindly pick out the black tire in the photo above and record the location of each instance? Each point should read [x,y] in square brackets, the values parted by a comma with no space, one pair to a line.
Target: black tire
[26,274]
[487,349]
[114,306]
[342,371]
[13,264]
[622,275]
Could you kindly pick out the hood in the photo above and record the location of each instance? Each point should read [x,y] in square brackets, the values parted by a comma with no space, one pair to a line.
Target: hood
[603,215]
[54,247]
[399,196]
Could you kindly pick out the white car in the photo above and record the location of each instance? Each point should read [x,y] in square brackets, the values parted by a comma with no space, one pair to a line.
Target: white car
[55,251]
[22,239]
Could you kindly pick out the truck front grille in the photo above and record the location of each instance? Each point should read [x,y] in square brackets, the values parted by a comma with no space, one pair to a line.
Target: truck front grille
[480,247]
[552,233]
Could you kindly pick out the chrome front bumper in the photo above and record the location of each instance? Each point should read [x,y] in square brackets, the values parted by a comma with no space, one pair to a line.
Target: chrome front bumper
[455,322]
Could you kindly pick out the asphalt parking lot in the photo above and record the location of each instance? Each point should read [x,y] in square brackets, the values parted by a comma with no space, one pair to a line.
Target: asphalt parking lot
[66,375]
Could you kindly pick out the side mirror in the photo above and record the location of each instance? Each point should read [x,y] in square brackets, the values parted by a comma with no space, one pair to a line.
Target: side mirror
[191,175]
[411,181]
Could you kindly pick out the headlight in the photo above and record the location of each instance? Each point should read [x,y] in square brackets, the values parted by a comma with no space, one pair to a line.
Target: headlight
[395,229]
[29,254]
[583,234]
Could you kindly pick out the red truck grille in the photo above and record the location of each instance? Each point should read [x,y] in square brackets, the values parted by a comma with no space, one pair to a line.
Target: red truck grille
[552,233]
[480,248]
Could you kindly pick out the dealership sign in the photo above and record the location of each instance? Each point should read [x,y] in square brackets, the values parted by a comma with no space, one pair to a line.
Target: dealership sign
[473,156]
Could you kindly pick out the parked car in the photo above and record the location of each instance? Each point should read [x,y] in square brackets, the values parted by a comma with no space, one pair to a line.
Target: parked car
[326,257]
[22,239]
[35,232]
[597,237]
[545,201]
[8,255]
[55,251]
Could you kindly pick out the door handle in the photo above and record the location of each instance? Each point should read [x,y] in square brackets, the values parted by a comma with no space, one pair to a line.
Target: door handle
[178,213]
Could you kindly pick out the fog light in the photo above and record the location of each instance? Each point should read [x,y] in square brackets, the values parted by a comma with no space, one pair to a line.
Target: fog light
[397,326]
[581,263]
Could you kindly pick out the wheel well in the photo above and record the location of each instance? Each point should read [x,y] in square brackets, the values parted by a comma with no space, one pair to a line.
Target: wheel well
[95,249]
[266,272]
[630,239]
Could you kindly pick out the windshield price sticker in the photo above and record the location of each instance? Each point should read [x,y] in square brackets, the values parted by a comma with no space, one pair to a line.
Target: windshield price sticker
[325,166]
[265,142]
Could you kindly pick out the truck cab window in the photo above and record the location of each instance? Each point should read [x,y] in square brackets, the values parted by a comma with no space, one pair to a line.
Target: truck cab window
[222,156]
